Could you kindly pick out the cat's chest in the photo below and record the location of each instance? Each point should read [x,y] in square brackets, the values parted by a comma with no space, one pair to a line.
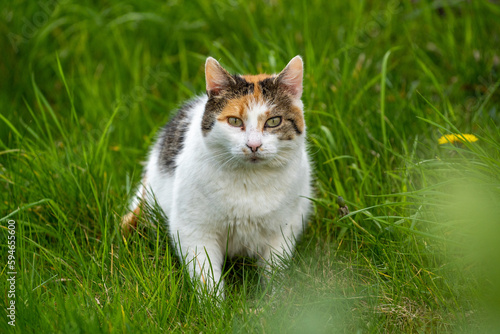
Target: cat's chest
[245,197]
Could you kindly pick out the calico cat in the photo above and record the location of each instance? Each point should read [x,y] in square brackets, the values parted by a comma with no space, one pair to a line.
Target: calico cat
[231,172]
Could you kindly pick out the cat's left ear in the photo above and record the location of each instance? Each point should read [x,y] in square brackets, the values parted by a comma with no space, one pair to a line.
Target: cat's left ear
[291,77]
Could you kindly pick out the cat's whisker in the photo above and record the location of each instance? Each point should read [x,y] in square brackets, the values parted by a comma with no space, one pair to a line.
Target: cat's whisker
[216,159]
[225,163]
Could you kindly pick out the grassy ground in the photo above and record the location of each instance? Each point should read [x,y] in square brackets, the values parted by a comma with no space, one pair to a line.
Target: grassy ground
[85,85]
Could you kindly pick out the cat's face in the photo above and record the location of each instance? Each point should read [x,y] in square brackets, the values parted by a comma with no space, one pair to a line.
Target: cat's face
[254,120]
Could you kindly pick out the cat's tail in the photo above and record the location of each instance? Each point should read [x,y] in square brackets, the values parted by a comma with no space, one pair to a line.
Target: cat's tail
[129,221]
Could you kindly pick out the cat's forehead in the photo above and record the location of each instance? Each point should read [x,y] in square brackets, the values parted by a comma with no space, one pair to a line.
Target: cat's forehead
[256,91]
[257,87]
[251,96]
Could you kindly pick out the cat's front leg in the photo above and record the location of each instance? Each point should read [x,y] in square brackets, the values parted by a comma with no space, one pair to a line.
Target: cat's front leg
[203,259]
[275,257]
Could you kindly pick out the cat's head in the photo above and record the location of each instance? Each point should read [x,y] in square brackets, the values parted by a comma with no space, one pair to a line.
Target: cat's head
[254,119]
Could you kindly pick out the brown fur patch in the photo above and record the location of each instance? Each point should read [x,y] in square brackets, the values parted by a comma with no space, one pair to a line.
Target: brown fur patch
[172,137]
[292,122]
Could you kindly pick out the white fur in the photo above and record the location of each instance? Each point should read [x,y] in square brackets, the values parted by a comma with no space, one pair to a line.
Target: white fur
[218,202]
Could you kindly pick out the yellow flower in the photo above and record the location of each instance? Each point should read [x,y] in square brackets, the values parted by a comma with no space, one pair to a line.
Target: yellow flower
[457,138]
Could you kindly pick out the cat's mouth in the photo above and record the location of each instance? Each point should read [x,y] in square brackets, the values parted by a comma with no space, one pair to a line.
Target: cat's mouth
[254,158]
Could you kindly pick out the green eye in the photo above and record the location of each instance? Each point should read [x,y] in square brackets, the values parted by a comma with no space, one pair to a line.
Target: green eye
[273,122]
[234,121]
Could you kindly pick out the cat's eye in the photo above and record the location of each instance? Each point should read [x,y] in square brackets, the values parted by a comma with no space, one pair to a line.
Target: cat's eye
[273,122]
[235,121]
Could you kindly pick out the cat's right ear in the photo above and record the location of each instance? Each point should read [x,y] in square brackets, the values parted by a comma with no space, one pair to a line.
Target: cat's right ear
[217,78]
[291,77]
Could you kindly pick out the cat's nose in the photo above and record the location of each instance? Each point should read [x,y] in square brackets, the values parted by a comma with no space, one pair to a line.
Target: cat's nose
[254,140]
[254,145]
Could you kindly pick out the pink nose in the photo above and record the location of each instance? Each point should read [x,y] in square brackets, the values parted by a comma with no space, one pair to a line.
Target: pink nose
[254,145]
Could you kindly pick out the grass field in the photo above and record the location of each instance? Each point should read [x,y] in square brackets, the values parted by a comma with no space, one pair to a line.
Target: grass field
[85,86]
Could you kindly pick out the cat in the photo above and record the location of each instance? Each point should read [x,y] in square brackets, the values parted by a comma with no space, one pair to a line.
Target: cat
[232,173]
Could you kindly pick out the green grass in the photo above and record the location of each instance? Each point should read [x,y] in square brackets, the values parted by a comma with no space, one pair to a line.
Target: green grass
[85,87]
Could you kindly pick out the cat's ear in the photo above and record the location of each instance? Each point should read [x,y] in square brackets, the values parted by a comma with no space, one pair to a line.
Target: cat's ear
[291,77]
[216,77]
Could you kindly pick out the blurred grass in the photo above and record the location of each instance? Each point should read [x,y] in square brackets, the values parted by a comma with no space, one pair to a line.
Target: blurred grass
[85,86]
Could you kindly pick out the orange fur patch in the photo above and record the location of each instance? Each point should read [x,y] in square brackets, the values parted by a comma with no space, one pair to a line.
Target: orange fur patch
[257,92]
[299,119]
[129,221]
[256,78]
[237,108]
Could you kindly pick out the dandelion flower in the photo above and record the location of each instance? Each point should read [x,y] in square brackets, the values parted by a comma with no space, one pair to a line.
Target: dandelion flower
[457,138]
